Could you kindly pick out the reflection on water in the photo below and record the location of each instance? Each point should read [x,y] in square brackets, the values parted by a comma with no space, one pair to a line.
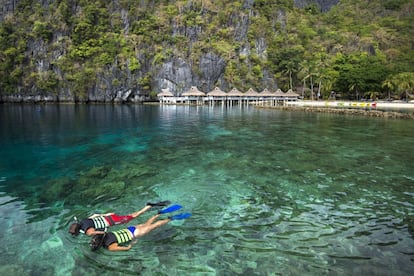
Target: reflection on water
[270,191]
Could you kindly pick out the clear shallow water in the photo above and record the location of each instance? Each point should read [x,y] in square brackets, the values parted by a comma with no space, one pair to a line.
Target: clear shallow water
[271,192]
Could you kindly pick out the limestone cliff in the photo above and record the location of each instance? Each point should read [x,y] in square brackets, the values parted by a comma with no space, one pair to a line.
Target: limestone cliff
[127,51]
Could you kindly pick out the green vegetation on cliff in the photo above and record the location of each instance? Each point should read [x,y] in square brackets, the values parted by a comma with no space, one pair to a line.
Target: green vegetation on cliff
[357,48]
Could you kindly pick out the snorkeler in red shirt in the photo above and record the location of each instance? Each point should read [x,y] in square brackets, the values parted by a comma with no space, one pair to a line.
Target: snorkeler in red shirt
[98,223]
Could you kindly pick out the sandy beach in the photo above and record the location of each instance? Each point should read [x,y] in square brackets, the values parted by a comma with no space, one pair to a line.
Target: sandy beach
[395,110]
[354,104]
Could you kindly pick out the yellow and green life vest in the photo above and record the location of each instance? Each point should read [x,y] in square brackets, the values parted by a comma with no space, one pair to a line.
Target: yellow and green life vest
[123,236]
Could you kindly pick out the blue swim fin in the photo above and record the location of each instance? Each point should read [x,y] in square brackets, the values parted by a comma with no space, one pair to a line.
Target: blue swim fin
[180,216]
[170,209]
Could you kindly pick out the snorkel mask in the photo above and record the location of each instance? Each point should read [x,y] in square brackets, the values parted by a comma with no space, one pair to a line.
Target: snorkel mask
[96,241]
[74,228]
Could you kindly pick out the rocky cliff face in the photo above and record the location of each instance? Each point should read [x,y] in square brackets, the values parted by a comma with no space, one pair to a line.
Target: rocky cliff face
[118,83]
[7,7]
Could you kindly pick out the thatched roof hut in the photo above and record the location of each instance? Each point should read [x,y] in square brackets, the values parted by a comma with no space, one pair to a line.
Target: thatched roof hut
[193,91]
[291,94]
[279,93]
[266,93]
[235,93]
[165,93]
[251,92]
[217,92]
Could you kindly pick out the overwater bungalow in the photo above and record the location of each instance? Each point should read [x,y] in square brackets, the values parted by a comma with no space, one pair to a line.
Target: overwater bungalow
[193,96]
[268,98]
[166,96]
[233,97]
[216,96]
[291,96]
[251,96]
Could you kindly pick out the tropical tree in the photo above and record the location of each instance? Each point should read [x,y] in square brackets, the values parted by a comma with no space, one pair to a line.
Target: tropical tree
[359,73]
[304,74]
[373,95]
[401,83]
[285,62]
[309,71]
[389,85]
[290,68]
[404,83]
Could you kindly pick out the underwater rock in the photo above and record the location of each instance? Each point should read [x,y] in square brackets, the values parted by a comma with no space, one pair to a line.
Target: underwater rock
[129,172]
[99,191]
[55,189]
[12,269]
[52,243]
[96,172]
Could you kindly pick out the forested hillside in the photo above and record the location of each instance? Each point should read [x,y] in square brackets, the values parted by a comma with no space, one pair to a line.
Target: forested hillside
[105,51]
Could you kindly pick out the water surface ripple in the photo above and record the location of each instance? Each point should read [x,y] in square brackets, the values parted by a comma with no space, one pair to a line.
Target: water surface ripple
[271,192]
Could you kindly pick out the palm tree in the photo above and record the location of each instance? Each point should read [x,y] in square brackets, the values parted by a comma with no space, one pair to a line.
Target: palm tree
[290,68]
[322,71]
[329,82]
[304,75]
[307,73]
[403,83]
[372,95]
[389,85]
[354,87]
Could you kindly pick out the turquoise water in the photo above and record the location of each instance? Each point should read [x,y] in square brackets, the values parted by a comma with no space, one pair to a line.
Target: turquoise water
[271,192]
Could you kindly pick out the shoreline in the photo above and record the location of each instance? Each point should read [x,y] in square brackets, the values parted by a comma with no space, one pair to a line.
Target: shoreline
[369,112]
[397,105]
[380,110]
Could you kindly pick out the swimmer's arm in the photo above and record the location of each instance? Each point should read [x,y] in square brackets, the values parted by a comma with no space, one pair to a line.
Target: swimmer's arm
[116,247]
[101,215]
[92,231]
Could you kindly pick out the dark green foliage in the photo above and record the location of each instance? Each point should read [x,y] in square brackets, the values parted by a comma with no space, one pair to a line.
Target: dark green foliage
[46,81]
[359,74]
[394,4]
[145,83]
[64,11]
[11,58]
[285,63]
[145,25]
[42,30]
[313,9]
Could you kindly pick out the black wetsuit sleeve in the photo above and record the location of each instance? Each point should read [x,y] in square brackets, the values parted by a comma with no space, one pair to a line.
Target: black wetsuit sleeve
[85,224]
[109,239]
